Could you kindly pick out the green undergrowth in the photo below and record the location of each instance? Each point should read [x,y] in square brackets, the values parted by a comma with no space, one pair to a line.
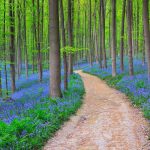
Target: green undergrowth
[34,128]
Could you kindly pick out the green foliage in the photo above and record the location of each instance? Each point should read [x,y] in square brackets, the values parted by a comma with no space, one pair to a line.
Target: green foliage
[72,50]
[41,122]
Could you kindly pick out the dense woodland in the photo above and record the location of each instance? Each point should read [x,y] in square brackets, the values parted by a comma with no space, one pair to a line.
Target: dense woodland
[61,35]
[88,30]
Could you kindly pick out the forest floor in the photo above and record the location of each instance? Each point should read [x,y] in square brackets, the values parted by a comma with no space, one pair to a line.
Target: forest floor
[106,121]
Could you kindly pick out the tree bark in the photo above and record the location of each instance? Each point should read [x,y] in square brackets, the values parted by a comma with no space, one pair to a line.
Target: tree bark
[39,43]
[25,41]
[70,37]
[129,24]
[63,45]
[55,67]
[12,44]
[122,38]
[146,33]
[113,38]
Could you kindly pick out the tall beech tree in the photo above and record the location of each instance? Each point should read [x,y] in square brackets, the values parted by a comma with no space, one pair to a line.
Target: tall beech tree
[113,37]
[129,24]
[147,32]
[70,37]
[64,45]
[55,67]
[12,44]
[122,37]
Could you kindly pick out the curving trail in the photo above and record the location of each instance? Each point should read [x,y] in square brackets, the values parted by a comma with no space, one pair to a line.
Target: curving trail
[106,121]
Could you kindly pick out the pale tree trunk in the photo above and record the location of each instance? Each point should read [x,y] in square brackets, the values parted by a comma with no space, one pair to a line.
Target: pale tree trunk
[63,45]
[129,24]
[55,67]
[146,33]
[113,38]
[122,38]
[12,44]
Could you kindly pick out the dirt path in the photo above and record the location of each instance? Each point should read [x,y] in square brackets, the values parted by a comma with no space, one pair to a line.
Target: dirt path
[106,121]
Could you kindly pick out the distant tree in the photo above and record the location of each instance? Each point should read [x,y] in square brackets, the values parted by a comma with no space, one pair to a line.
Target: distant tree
[147,32]
[129,24]
[25,38]
[122,37]
[113,37]
[90,33]
[70,37]
[103,33]
[39,59]
[55,68]
[12,44]
[64,45]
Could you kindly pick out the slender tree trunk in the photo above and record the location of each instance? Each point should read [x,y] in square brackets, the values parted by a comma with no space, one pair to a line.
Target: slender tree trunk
[63,45]
[103,33]
[110,34]
[5,58]
[122,37]
[55,67]
[129,22]
[137,44]
[12,44]
[70,36]
[25,41]
[38,43]
[19,41]
[100,30]
[113,38]
[146,33]
[90,34]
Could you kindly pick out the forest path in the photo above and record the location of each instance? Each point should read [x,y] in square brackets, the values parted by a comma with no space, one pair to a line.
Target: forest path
[106,121]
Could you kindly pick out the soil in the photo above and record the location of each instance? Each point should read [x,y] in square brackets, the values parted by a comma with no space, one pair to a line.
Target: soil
[106,121]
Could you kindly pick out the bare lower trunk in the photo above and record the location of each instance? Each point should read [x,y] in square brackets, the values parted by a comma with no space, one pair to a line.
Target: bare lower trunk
[63,45]
[113,38]
[129,22]
[146,33]
[70,36]
[12,45]
[55,68]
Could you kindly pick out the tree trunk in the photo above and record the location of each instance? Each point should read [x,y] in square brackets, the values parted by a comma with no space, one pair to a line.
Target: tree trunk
[63,45]
[103,33]
[146,33]
[70,36]
[129,22]
[100,30]
[90,34]
[38,43]
[19,41]
[55,67]
[25,40]
[122,38]
[113,38]
[12,44]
